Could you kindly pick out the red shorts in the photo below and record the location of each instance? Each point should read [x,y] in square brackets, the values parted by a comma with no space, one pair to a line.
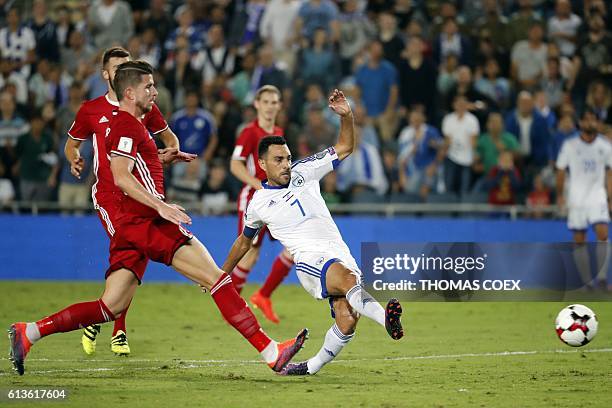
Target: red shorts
[108,211]
[135,242]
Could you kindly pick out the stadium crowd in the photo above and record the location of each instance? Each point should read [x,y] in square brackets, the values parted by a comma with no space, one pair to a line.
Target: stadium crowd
[454,101]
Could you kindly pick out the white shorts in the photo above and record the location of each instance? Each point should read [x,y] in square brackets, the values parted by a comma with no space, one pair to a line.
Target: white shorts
[580,218]
[311,268]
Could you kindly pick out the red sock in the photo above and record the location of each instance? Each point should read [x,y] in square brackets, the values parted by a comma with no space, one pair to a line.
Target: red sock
[239,276]
[237,313]
[280,269]
[120,321]
[75,317]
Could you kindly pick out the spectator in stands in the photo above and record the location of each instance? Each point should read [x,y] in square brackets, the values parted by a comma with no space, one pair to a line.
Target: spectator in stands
[17,43]
[244,26]
[492,85]
[240,84]
[417,78]
[48,84]
[318,63]
[110,22]
[522,20]
[420,147]
[529,59]
[9,76]
[530,129]
[216,58]
[36,162]
[391,168]
[194,35]
[64,26]
[593,59]
[195,128]
[12,127]
[45,32]
[181,77]
[216,191]
[540,102]
[378,83]
[277,28]
[389,37]
[356,30]
[478,103]
[329,189]
[486,50]
[460,129]
[77,53]
[503,181]
[538,197]
[451,41]
[186,181]
[317,133]
[553,84]
[494,23]
[447,78]
[72,190]
[158,18]
[446,11]
[362,171]
[315,14]
[267,72]
[599,100]
[563,27]
[150,48]
[566,130]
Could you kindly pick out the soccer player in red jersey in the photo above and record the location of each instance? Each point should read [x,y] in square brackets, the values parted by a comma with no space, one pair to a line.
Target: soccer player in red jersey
[148,228]
[245,166]
[92,122]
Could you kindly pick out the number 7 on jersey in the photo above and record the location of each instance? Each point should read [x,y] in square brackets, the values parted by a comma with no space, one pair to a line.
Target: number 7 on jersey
[296,201]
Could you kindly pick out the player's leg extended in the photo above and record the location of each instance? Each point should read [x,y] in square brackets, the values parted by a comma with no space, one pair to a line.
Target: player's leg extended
[119,342]
[120,287]
[241,272]
[340,281]
[336,338]
[280,269]
[603,255]
[194,262]
[582,257]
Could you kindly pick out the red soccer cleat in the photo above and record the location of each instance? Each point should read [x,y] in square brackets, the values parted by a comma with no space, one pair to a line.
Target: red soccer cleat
[287,350]
[265,305]
[20,346]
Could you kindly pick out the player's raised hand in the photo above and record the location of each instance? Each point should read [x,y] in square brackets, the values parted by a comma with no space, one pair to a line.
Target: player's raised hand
[338,103]
[171,155]
[174,213]
[76,167]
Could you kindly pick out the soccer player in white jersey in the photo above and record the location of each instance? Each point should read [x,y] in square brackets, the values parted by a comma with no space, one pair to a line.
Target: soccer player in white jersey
[588,160]
[291,206]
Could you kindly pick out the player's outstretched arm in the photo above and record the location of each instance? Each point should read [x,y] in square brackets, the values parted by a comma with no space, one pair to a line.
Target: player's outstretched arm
[172,152]
[240,247]
[121,168]
[346,138]
[73,155]
[560,184]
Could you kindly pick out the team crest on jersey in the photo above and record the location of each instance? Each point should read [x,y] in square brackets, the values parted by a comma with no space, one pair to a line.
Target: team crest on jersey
[298,180]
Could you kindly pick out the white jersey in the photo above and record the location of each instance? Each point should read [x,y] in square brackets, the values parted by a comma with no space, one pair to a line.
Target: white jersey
[587,164]
[296,214]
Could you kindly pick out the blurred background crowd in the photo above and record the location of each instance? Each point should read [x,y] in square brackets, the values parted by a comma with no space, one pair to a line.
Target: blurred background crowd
[454,101]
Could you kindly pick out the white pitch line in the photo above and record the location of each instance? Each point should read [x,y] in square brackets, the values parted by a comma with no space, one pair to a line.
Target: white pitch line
[222,363]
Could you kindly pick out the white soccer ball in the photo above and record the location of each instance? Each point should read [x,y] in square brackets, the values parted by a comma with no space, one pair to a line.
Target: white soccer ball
[576,325]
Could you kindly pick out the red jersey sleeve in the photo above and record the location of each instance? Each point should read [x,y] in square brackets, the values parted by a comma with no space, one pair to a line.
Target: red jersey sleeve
[124,138]
[81,127]
[245,145]
[154,121]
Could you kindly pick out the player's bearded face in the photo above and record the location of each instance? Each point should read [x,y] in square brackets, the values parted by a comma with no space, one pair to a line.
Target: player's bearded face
[277,164]
[146,94]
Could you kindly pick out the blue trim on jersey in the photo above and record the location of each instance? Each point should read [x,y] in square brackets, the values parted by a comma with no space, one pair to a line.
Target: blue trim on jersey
[335,163]
[250,232]
[265,185]
[309,267]
[324,293]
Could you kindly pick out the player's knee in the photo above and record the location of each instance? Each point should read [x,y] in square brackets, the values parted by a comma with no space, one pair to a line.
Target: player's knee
[347,322]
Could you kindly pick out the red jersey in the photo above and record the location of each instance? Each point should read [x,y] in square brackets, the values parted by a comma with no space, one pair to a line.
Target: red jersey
[92,121]
[247,144]
[129,137]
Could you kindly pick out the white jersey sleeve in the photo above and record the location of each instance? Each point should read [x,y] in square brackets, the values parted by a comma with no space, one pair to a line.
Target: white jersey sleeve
[563,158]
[315,167]
[252,221]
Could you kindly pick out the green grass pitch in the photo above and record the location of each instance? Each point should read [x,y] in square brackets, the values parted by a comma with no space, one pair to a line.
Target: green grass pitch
[183,354]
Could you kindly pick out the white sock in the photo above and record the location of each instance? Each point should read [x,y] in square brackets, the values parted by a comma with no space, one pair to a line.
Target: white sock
[334,342]
[32,332]
[270,353]
[365,304]
[583,263]
[603,260]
